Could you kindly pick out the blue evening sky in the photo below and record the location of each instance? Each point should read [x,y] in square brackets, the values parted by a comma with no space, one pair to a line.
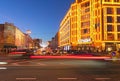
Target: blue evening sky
[42,17]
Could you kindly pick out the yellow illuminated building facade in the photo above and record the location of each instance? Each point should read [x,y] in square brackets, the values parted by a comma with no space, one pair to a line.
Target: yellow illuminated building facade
[92,25]
[64,32]
[68,31]
[19,38]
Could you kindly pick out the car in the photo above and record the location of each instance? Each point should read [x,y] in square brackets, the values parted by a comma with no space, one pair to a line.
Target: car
[24,53]
[79,53]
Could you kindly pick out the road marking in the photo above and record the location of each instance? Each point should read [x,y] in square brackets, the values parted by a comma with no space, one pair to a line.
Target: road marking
[18,63]
[3,67]
[26,78]
[102,78]
[15,64]
[41,64]
[62,63]
[66,78]
[3,63]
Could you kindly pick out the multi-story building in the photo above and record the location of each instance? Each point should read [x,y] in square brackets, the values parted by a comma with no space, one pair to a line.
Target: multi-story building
[69,29]
[37,43]
[53,44]
[91,25]
[19,38]
[12,37]
[7,35]
[64,32]
[29,44]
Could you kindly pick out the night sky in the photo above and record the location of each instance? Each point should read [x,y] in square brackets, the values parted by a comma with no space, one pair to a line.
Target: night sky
[42,17]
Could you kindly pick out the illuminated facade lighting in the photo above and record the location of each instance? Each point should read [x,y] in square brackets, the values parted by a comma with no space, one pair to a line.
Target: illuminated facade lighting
[91,25]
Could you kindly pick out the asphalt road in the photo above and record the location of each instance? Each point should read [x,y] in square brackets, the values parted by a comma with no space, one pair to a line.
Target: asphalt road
[59,70]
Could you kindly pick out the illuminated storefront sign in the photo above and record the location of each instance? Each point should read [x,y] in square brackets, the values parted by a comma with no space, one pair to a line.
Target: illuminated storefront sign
[85,40]
[66,47]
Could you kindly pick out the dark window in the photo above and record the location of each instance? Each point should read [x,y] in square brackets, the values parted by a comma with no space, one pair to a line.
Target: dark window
[107,0]
[109,28]
[85,30]
[87,10]
[118,10]
[109,10]
[116,0]
[118,36]
[109,19]
[87,4]
[118,28]
[118,19]
[79,1]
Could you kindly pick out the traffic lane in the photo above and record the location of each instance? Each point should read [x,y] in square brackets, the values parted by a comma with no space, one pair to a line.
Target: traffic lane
[59,62]
[58,74]
[62,62]
[37,74]
[17,59]
[9,59]
[57,70]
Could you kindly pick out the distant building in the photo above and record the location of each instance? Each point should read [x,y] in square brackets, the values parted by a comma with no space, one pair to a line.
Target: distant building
[12,37]
[53,44]
[20,39]
[29,44]
[7,35]
[37,42]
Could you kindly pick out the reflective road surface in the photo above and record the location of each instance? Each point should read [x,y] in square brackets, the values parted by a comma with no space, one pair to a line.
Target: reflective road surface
[59,70]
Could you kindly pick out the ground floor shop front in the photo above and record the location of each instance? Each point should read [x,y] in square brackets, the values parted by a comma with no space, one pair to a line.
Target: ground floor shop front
[94,47]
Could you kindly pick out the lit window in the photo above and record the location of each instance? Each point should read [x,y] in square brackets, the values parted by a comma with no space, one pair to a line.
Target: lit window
[96,0]
[110,36]
[74,7]
[87,10]
[85,4]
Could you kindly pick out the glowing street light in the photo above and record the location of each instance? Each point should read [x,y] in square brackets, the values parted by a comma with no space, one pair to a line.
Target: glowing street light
[28,32]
